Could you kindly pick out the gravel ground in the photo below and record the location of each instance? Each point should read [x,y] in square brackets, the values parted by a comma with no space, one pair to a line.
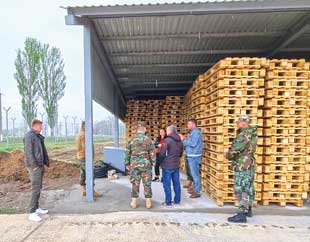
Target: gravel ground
[153,227]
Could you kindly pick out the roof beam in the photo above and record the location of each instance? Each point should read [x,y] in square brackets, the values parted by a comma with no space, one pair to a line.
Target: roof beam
[162,65]
[155,75]
[298,28]
[190,35]
[194,52]
[190,8]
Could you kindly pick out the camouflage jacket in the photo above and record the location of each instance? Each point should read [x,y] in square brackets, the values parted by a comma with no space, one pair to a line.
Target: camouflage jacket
[140,152]
[242,149]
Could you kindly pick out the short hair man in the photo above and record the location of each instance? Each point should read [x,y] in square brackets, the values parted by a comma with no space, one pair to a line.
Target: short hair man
[35,157]
[193,148]
[241,154]
[171,152]
[139,160]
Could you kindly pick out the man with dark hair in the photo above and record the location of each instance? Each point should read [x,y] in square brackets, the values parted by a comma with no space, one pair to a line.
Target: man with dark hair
[35,157]
[193,148]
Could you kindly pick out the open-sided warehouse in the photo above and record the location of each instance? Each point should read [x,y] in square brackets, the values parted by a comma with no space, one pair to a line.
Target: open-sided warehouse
[147,52]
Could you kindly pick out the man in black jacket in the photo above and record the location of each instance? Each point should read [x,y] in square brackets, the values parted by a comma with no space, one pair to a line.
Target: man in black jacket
[171,152]
[35,158]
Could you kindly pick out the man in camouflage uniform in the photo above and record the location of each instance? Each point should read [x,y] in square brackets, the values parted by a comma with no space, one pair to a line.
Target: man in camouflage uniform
[139,160]
[241,153]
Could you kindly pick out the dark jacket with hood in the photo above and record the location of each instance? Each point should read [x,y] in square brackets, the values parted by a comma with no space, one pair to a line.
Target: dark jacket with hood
[171,152]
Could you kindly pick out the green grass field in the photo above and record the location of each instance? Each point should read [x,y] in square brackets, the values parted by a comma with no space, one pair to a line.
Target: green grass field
[17,143]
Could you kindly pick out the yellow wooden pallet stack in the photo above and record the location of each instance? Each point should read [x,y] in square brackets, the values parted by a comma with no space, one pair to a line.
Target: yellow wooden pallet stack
[153,117]
[286,174]
[233,87]
[134,110]
[172,112]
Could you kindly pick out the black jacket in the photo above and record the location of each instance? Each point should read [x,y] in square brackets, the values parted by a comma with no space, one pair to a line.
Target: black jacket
[171,152]
[34,150]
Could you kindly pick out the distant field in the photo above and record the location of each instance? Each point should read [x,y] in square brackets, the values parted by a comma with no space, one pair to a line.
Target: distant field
[17,143]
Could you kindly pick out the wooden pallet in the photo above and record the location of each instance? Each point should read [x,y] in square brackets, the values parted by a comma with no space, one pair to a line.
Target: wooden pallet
[287,112]
[285,168]
[292,102]
[287,74]
[285,122]
[234,73]
[286,93]
[287,83]
[285,150]
[285,131]
[282,203]
[287,177]
[285,186]
[289,64]
[285,159]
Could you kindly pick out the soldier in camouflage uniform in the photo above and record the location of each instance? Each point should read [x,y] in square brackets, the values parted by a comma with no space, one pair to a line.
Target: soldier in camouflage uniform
[139,160]
[241,153]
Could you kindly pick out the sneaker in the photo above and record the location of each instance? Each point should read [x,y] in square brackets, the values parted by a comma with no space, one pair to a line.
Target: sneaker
[175,204]
[34,217]
[166,205]
[41,211]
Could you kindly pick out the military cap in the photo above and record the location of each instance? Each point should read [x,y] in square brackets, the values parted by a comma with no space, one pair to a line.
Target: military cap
[244,118]
[141,124]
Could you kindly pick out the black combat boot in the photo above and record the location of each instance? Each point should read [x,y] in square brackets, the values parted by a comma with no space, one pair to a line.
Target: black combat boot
[238,218]
[250,212]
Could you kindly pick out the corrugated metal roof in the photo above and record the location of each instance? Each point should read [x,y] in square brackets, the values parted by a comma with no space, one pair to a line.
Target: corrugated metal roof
[173,48]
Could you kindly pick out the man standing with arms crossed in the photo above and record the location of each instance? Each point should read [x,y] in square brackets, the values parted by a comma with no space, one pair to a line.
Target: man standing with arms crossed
[35,158]
[241,153]
[193,148]
[139,160]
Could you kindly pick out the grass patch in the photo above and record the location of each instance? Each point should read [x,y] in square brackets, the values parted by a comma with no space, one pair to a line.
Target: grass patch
[8,210]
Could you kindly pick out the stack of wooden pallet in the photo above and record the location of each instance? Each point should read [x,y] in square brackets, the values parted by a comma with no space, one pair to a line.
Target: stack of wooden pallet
[233,87]
[172,112]
[286,175]
[133,115]
[153,117]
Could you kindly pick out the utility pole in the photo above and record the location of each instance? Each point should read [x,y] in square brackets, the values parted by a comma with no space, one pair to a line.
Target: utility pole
[1,137]
[7,124]
[13,132]
[74,122]
[66,127]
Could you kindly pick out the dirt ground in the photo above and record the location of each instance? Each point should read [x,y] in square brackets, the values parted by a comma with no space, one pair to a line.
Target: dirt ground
[62,174]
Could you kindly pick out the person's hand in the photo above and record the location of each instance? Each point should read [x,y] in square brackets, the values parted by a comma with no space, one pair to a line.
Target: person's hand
[128,168]
[181,137]
[159,145]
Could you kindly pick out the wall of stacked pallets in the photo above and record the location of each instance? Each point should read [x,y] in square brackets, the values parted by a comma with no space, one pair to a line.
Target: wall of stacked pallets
[276,95]
[156,114]
[286,171]
[232,87]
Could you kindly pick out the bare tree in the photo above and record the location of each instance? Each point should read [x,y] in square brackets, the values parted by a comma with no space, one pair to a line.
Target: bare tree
[52,83]
[27,73]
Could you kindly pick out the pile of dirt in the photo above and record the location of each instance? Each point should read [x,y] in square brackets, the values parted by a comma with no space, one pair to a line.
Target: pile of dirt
[12,168]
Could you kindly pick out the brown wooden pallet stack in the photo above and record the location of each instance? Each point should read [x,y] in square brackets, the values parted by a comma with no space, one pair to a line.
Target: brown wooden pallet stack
[134,110]
[232,87]
[172,112]
[153,117]
[186,110]
[286,175]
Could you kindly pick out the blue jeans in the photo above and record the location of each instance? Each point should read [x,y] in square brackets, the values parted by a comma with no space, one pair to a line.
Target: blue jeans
[194,163]
[173,175]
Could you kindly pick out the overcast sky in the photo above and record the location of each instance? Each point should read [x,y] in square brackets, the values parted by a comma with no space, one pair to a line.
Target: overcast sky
[44,20]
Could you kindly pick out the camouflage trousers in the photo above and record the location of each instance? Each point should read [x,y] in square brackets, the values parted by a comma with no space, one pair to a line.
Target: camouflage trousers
[83,173]
[138,174]
[244,189]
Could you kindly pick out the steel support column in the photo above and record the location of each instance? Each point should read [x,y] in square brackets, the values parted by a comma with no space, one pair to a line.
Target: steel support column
[88,114]
[116,124]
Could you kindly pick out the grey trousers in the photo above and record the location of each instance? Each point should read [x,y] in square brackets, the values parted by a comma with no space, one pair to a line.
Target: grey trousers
[36,178]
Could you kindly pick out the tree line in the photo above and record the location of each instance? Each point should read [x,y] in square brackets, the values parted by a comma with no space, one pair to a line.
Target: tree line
[40,75]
